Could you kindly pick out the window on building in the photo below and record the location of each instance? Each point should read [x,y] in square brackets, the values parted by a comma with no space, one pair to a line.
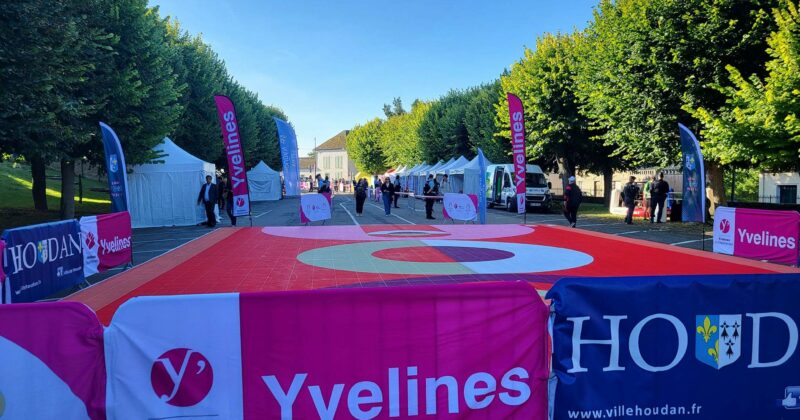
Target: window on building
[338,162]
[326,162]
[787,194]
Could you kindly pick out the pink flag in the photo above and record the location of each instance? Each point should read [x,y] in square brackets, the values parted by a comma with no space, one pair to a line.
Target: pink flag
[237,172]
[517,120]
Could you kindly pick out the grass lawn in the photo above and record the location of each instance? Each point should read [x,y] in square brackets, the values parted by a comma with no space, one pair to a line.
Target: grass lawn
[16,200]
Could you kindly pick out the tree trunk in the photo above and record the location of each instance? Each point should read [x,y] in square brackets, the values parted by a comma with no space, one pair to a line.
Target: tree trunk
[563,173]
[39,184]
[716,185]
[608,177]
[67,189]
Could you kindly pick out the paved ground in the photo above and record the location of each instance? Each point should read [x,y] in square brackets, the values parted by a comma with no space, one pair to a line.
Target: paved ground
[152,242]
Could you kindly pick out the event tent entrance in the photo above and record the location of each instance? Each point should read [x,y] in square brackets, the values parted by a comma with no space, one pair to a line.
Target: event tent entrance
[264,182]
[164,192]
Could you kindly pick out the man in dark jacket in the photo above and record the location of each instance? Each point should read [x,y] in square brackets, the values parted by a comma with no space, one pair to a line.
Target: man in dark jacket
[658,196]
[431,189]
[208,196]
[572,200]
[629,194]
[397,190]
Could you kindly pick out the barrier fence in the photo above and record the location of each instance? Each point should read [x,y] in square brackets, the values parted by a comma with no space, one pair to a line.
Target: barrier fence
[665,347]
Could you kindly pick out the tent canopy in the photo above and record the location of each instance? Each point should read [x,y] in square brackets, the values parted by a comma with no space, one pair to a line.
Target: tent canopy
[264,183]
[164,192]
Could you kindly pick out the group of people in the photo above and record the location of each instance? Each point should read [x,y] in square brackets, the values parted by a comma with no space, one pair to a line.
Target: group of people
[658,190]
[390,192]
[212,194]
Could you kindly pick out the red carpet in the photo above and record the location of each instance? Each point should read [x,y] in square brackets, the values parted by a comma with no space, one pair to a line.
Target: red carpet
[298,258]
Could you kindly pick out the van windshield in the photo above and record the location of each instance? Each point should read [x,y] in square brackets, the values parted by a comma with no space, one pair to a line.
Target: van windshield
[533,180]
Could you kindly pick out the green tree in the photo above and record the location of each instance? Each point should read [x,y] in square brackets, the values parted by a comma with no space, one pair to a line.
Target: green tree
[400,138]
[480,120]
[443,131]
[759,124]
[364,146]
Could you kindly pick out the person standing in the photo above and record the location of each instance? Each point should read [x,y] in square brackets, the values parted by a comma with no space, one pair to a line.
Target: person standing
[572,200]
[629,194]
[431,189]
[222,189]
[387,191]
[647,197]
[397,190]
[377,192]
[445,186]
[208,196]
[228,194]
[659,197]
[361,195]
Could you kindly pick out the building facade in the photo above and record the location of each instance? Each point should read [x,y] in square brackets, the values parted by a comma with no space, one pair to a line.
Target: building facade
[333,160]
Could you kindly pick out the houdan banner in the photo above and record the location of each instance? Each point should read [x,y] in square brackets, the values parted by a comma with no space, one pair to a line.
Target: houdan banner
[41,260]
[289,157]
[51,362]
[517,124]
[315,207]
[106,241]
[758,234]
[462,207]
[234,149]
[705,347]
[455,351]
[115,166]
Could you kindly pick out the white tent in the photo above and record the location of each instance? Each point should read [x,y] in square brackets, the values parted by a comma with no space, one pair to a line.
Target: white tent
[164,193]
[264,183]
[468,175]
[455,184]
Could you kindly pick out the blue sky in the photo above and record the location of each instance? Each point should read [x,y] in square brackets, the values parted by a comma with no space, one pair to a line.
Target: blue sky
[333,64]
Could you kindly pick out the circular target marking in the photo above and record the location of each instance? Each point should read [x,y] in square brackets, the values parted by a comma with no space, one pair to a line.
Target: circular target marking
[408,233]
[443,254]
[372,257]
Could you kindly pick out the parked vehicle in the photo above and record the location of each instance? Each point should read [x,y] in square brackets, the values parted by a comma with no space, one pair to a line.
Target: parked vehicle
[502,192]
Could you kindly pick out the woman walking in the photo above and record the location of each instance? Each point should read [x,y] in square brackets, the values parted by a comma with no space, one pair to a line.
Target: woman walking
[387,191]
[361,195]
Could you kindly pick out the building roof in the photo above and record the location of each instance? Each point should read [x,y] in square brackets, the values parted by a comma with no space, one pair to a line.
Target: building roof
[337,142]
[307,162]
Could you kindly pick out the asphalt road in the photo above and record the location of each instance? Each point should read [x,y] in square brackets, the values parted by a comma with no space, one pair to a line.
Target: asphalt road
[151,242]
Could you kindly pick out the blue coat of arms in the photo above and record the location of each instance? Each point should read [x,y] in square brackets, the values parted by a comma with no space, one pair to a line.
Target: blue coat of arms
[718,339]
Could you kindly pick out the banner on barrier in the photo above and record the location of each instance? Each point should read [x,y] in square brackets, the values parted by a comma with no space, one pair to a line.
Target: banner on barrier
[708,347]
[106,240]
[234,150]
[463,207]
[453,351]
[315,207]
[52,362]
[41,260]
[759,234]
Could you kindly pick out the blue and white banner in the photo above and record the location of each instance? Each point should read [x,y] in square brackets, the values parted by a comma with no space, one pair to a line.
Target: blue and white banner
[705,347]
[41,260]
[291,162]
[482,187]
[694,178]
[117,171]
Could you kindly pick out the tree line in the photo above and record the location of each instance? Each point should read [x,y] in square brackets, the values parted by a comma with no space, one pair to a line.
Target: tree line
[610,96]
[65,65]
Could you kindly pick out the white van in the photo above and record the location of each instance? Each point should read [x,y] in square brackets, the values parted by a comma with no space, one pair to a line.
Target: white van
[502,192]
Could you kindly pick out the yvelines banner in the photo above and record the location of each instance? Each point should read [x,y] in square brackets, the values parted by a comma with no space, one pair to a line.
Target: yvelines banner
[289,157]
[694,178]
[115,166]
[454,351]
[704,347]
[41,260]
[315,207]
[234,149]
[516,116]
[51,362]
[106,240]
[758,234]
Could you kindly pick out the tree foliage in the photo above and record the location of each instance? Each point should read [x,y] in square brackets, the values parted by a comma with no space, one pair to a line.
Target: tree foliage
[364,146]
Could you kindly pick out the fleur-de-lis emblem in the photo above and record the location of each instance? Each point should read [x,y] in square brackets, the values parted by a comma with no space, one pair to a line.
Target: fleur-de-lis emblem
[714,352]
[707,330]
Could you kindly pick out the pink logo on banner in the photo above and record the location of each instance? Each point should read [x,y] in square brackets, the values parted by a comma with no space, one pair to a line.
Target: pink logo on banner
[90,240]
[181,377]
[315,207]
[767,235]
[106,241]
[725,226]
[469,350]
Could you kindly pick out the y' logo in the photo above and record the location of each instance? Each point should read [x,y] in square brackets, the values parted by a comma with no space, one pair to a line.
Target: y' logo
[240,202]
[181,377]
[718,339]
[725,226]
[90,242]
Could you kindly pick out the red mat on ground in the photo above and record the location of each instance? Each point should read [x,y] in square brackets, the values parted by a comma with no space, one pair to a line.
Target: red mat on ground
[298,258]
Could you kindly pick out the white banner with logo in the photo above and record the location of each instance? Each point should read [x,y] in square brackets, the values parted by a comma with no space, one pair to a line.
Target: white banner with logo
[106,241]
[174,358]
[724,230]
[461,207]
[315,207]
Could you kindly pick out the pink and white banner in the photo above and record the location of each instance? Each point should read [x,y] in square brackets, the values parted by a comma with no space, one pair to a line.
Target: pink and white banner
[315,207]
[106,241]
[237,174]
[51,362]
[463,207]
[517,124]
[467,351]
[758,234]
